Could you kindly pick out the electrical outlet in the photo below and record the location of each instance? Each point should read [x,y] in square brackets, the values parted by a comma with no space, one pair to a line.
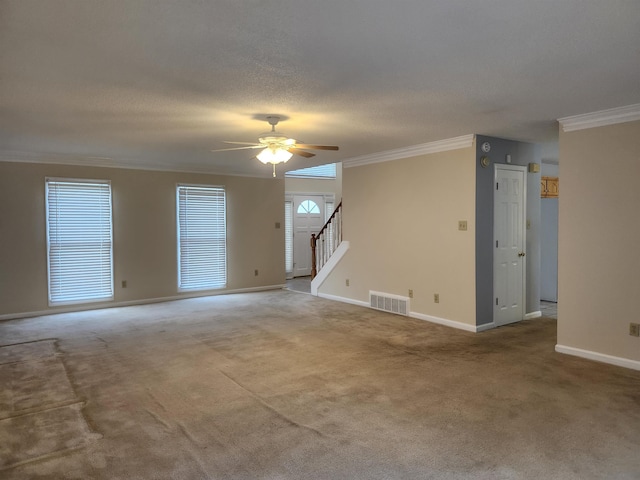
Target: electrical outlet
[436,298]
[124,284]
[255,272]
[462,225]
[346,282]
[277,224]
[410,293]
[634,329]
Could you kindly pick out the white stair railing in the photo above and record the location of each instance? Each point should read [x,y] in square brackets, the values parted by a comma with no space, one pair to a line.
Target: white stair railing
[326,241]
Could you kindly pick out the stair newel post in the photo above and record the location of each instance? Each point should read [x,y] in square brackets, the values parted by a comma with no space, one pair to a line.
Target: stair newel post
[313,256]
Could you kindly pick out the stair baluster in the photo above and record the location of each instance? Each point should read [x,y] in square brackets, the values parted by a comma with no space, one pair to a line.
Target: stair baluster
[326,241]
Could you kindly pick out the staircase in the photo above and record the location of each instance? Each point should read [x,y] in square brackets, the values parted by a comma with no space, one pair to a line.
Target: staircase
[325,243]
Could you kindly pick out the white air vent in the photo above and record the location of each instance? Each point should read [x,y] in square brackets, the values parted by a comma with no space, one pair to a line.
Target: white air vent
[389,303]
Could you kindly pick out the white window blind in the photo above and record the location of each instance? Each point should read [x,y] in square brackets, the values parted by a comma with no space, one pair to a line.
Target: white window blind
[79,240]
[328,210]
[321,171]
[202,237]
[288,236]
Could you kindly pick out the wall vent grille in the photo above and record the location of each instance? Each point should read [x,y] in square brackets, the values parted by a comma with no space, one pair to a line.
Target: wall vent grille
[389,303]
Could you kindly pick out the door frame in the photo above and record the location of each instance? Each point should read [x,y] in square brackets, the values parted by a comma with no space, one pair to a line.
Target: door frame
[327,197]
[523,170]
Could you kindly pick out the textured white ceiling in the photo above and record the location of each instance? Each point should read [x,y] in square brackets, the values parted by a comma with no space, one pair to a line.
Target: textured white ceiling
[158,84]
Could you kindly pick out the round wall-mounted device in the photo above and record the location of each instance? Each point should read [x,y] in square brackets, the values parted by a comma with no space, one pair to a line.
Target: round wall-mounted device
[485,147]
[484,161]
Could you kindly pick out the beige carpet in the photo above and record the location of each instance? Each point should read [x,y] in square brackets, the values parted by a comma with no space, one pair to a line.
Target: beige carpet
[40,415]
[280,385]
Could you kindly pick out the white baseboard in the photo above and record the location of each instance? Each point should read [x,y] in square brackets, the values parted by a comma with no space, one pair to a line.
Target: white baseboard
[344,300]
[130,303]
[416,315]
[599,357]
[444,321]
[485,326]
[530,315]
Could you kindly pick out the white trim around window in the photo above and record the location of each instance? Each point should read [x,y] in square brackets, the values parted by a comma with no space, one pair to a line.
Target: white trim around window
[79,240]
[202,237]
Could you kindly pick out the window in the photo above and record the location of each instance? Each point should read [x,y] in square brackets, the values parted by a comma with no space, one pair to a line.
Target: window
[288,236]
[79,241]
[202,237]
[328,210]
[308,206]
[321,171]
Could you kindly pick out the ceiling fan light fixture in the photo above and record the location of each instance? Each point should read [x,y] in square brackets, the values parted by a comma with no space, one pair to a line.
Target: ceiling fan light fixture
[274,137]
[274,155]
[277,147]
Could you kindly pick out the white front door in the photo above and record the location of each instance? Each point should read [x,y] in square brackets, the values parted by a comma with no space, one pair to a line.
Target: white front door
[509,241]
[308,218]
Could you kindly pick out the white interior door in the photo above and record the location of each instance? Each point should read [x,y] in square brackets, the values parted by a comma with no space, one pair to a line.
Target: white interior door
[509,239]
[308,218]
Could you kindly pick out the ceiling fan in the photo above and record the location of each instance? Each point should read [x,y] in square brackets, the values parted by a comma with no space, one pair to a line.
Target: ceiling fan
[276,146]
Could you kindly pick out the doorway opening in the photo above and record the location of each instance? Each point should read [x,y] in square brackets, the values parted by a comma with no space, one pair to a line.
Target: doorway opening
[305,214]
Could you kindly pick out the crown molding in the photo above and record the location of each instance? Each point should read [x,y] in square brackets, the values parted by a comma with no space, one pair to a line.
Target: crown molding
[75,160]
[464,141]
[630,113]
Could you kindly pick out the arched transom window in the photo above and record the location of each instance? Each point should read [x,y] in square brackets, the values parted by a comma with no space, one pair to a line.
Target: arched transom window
[308,206]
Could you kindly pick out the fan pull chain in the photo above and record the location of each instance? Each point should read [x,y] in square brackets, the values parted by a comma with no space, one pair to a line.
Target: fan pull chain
[274,170]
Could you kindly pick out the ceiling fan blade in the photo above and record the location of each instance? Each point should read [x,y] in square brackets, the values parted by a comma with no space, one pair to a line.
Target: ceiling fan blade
[302,153]
[237,148]
[245,143]
[317,147]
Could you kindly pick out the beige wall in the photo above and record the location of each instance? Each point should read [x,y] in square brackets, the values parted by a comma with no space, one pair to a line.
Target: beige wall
[144,229]
[599,238]
[401,220]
